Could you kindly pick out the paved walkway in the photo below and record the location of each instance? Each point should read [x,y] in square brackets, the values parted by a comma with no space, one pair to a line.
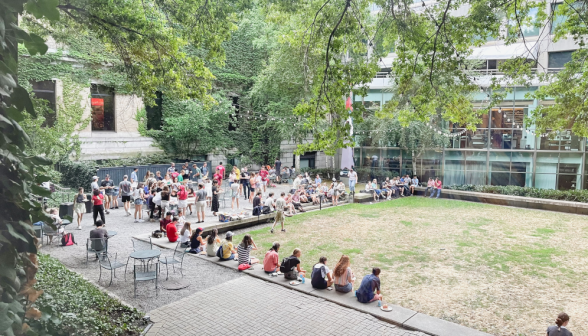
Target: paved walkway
[219,300]
[248,306]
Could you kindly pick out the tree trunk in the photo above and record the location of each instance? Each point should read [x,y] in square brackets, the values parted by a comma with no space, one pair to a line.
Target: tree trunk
[414,158]
[297,163]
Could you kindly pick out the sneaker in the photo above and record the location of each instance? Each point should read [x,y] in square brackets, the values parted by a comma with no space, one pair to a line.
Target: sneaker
[141,221]
[79,228]
[107,212]
[136,221]
[283,230]
[272,231]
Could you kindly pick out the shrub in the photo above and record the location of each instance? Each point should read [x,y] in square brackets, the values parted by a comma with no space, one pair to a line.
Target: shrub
[73,306]
[76,174]
[563,195]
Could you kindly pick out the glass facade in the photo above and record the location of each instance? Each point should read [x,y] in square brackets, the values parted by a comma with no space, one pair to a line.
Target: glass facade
[501,151]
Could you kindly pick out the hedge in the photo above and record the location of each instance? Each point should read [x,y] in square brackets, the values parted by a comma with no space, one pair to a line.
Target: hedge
[73,306]
[76,174]
[562,195]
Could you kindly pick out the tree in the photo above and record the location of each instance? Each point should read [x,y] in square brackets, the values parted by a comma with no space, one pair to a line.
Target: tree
[191,127]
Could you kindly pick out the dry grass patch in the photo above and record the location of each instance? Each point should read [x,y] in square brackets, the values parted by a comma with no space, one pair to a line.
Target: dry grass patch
[502,270]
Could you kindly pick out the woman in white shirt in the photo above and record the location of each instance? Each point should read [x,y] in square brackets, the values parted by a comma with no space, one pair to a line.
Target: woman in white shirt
[185,234]
[212,243]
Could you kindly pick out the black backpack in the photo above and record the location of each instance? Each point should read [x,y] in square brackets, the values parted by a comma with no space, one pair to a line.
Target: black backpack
[256,211]
[219,252]
[266,210]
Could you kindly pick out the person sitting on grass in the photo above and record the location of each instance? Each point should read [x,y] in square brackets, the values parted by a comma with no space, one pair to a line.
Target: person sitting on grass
[196,242]
[343,275]
[165,221]
[228,250]
[212,243]
[244,250]
[291,265]
[560,328]
[320,271]
[271,260]
[172,230]
[369,284]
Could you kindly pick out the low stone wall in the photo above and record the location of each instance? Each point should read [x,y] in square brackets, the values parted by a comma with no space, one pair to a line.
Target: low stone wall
[514,201]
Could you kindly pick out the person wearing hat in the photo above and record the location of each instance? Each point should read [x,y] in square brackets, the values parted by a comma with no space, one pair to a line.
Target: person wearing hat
[95,183]
[228,250]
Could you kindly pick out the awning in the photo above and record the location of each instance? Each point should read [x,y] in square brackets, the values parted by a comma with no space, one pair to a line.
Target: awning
[500,52]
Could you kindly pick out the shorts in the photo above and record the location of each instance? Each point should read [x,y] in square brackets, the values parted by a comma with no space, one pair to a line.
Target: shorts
[182,203]
[200,205]
[235,192]
[80,208]
[279,217]
[138,201]
[231,257]
[344,289]
[336,192]
[126,199]
[108,198]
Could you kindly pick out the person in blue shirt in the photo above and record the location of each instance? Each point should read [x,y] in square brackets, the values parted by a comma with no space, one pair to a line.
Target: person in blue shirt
[134,178]
[369,284]
[318,180]
[414,183]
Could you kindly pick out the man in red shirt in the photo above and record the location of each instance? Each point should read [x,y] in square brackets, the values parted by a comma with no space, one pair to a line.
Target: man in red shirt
[172,230]
[218,176]
[163,223]
[221,170]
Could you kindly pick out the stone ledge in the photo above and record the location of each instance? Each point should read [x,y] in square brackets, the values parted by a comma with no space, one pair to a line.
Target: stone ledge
[438,327]
[514,201]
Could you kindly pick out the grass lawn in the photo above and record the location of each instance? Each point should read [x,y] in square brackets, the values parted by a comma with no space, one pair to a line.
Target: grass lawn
[502,270]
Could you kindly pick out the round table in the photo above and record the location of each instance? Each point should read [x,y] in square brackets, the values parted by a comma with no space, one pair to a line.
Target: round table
[145,254]
[112,233]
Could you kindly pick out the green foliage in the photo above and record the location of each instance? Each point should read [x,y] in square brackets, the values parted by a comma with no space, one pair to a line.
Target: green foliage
[190,127]
[21,175]
[76,174]
[72,305]
[562,195]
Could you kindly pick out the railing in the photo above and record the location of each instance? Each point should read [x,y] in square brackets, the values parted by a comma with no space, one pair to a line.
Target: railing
[554,70]
[382,75]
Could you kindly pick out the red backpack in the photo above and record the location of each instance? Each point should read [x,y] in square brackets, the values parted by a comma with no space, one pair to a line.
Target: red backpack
[67,239]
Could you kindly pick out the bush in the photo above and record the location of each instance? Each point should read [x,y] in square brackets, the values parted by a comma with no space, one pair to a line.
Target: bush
[73,306]
[562,195]
[76,174]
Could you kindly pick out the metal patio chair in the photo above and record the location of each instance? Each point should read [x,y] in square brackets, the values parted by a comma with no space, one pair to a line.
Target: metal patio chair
[177,258]
[111,266]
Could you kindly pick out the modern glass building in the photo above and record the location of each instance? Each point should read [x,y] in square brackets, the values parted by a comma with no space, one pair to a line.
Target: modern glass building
[503,149]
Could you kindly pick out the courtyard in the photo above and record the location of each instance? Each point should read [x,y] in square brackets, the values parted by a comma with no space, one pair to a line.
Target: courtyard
[494,269]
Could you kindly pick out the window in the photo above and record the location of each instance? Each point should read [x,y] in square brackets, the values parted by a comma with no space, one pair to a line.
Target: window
[154,113]
[46,90]
[557,60]
[102,103]
[530,30]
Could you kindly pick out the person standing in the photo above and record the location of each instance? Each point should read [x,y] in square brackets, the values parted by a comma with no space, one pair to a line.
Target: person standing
[171,169]
[204,170]
[196,174]
[200,202]
[139,196]
[221,170]
[107,186]
[352,180]
[437,188]
[218,177]
[263,174]
[134,178]
[560,328]
[182,199]
[235,193]
[280,205]
[124,190]
[98,200]
[215,192]
[278,167]
[252,181]
[95,183]
[245,182]
[80,206]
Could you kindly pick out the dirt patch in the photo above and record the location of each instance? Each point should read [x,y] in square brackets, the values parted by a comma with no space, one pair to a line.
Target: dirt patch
[502,270]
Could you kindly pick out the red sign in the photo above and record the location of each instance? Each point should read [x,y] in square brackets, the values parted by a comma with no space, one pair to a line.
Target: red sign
[97,102]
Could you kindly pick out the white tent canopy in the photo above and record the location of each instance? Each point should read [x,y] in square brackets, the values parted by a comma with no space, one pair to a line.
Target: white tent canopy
[500,52]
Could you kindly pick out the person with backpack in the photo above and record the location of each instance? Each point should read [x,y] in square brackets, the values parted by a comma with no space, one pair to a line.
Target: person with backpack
[227,251]
[291,266]
[98,200]
[320,271]
[369,284]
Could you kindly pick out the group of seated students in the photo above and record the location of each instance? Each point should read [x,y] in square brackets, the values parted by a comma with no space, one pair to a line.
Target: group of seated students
[316,190]
[392,188]
[321,277]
